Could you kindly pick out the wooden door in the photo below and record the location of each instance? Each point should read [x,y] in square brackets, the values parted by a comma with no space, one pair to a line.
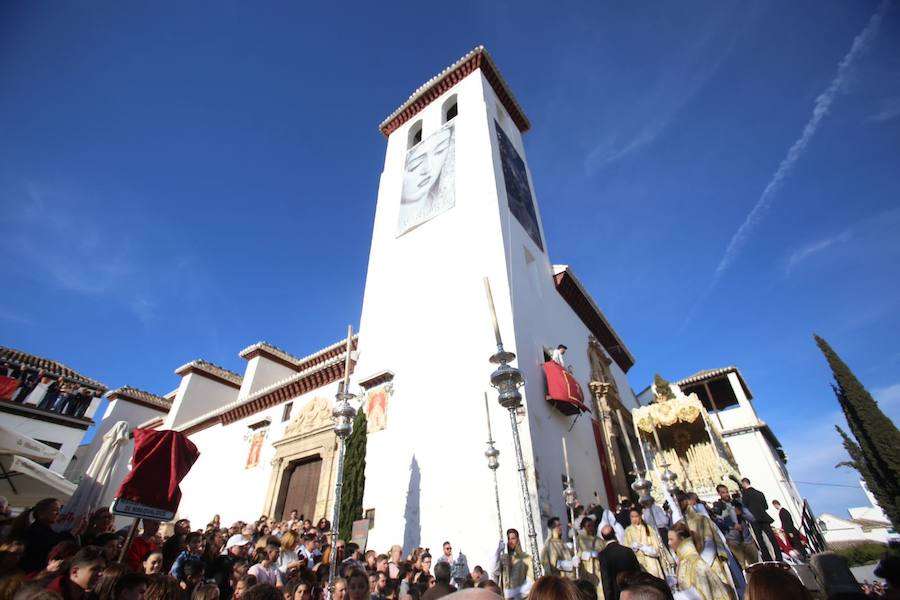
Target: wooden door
[600,441]
[301,481]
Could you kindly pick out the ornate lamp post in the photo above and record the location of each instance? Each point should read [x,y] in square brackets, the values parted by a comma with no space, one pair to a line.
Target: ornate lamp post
[570,499]
[507,380]
[493,464]
[343,415]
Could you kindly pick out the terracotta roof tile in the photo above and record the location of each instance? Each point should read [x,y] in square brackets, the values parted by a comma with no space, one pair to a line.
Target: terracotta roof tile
[142,397]
[212,369]
[52,367]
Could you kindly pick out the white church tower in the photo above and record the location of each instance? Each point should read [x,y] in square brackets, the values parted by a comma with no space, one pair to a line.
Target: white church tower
[456,204]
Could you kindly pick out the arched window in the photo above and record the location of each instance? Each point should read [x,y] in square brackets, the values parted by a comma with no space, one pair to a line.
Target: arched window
[450,108]
[415,134]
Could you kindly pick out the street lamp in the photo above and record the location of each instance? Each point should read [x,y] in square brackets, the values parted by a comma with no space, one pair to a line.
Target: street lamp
[507,380]
[343,415]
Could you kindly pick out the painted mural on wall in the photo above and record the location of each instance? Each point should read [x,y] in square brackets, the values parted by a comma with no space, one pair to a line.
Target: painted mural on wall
[376,410]
[256,443]
[518,191]
[428,179]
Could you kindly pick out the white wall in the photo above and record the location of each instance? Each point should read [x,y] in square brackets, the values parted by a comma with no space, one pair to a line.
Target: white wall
[196,396]
[425,318]
[836,529]
[220,483]
[262,372]
[759,463]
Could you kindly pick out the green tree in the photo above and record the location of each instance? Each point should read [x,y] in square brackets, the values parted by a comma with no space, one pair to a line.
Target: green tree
[874,448]
[354,476]
[662,387]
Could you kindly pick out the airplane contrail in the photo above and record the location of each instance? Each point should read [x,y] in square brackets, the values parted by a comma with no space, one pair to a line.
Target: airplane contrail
[821,108]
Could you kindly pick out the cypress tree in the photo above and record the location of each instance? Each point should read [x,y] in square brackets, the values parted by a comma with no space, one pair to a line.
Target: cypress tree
[662,387]
[354,476]
[874,448]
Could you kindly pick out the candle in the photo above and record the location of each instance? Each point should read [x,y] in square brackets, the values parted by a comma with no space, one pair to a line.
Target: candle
[490,297]
[347,359]
[566,460]
[637,434]
[488,411]
[627,439]
[656,438]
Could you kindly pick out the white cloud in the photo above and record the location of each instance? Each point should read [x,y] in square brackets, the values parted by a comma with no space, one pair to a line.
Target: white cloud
[677,81]
[15,317]
[888,399]
[890,109]
[820,109]
[809,250]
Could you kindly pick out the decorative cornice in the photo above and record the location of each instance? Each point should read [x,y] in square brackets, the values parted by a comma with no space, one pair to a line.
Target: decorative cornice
[314,377]
[211,371]
[289,360]
[573,292]
[376,380]
[432,89]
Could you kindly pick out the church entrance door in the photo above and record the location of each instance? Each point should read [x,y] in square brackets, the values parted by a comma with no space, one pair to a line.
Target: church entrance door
[301,488]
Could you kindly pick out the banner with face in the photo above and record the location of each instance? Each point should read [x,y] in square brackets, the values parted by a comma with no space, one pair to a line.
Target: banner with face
[428,179]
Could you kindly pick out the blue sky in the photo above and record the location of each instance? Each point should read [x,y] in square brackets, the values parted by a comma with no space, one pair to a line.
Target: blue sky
[180,180]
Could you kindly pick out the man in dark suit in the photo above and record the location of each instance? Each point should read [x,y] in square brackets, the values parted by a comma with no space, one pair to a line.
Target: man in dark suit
[787,525]
[615,559]
[755,502]
[441,585]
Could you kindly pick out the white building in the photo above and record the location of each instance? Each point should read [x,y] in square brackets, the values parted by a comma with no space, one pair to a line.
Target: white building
[760,458]
[455,204]
[866,523]
[43,415]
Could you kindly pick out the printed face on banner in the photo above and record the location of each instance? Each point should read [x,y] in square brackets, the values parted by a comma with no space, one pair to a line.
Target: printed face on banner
[518,191]
[428,179]
[376,410]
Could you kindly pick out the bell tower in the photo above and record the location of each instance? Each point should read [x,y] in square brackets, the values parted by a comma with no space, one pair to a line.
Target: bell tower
[456,204]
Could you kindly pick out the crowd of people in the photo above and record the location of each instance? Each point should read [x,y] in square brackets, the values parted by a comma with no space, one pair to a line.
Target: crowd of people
[683,549]
[26,385]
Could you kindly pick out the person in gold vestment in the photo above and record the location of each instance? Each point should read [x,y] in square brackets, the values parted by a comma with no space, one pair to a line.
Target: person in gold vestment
[705,537]
[589,547]
[692,573]
[557,556]
[643,540]
[514,566]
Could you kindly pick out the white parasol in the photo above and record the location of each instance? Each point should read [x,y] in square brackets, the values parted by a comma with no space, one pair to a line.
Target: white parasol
[93,483]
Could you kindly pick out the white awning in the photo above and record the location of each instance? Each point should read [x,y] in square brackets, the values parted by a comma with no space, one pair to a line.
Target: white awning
[12,442]
[24,482]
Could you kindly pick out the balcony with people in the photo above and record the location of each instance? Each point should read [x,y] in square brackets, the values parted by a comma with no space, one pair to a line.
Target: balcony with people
[38,387]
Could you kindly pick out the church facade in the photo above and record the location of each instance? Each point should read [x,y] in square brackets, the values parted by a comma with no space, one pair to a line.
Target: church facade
[456,205]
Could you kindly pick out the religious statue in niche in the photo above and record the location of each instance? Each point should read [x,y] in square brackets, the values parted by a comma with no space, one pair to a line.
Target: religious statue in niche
[428,179]
[376,409]
[602,374]
[256,443]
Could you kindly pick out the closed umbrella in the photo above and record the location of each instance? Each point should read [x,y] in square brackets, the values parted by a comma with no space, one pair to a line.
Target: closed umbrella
[93,484]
